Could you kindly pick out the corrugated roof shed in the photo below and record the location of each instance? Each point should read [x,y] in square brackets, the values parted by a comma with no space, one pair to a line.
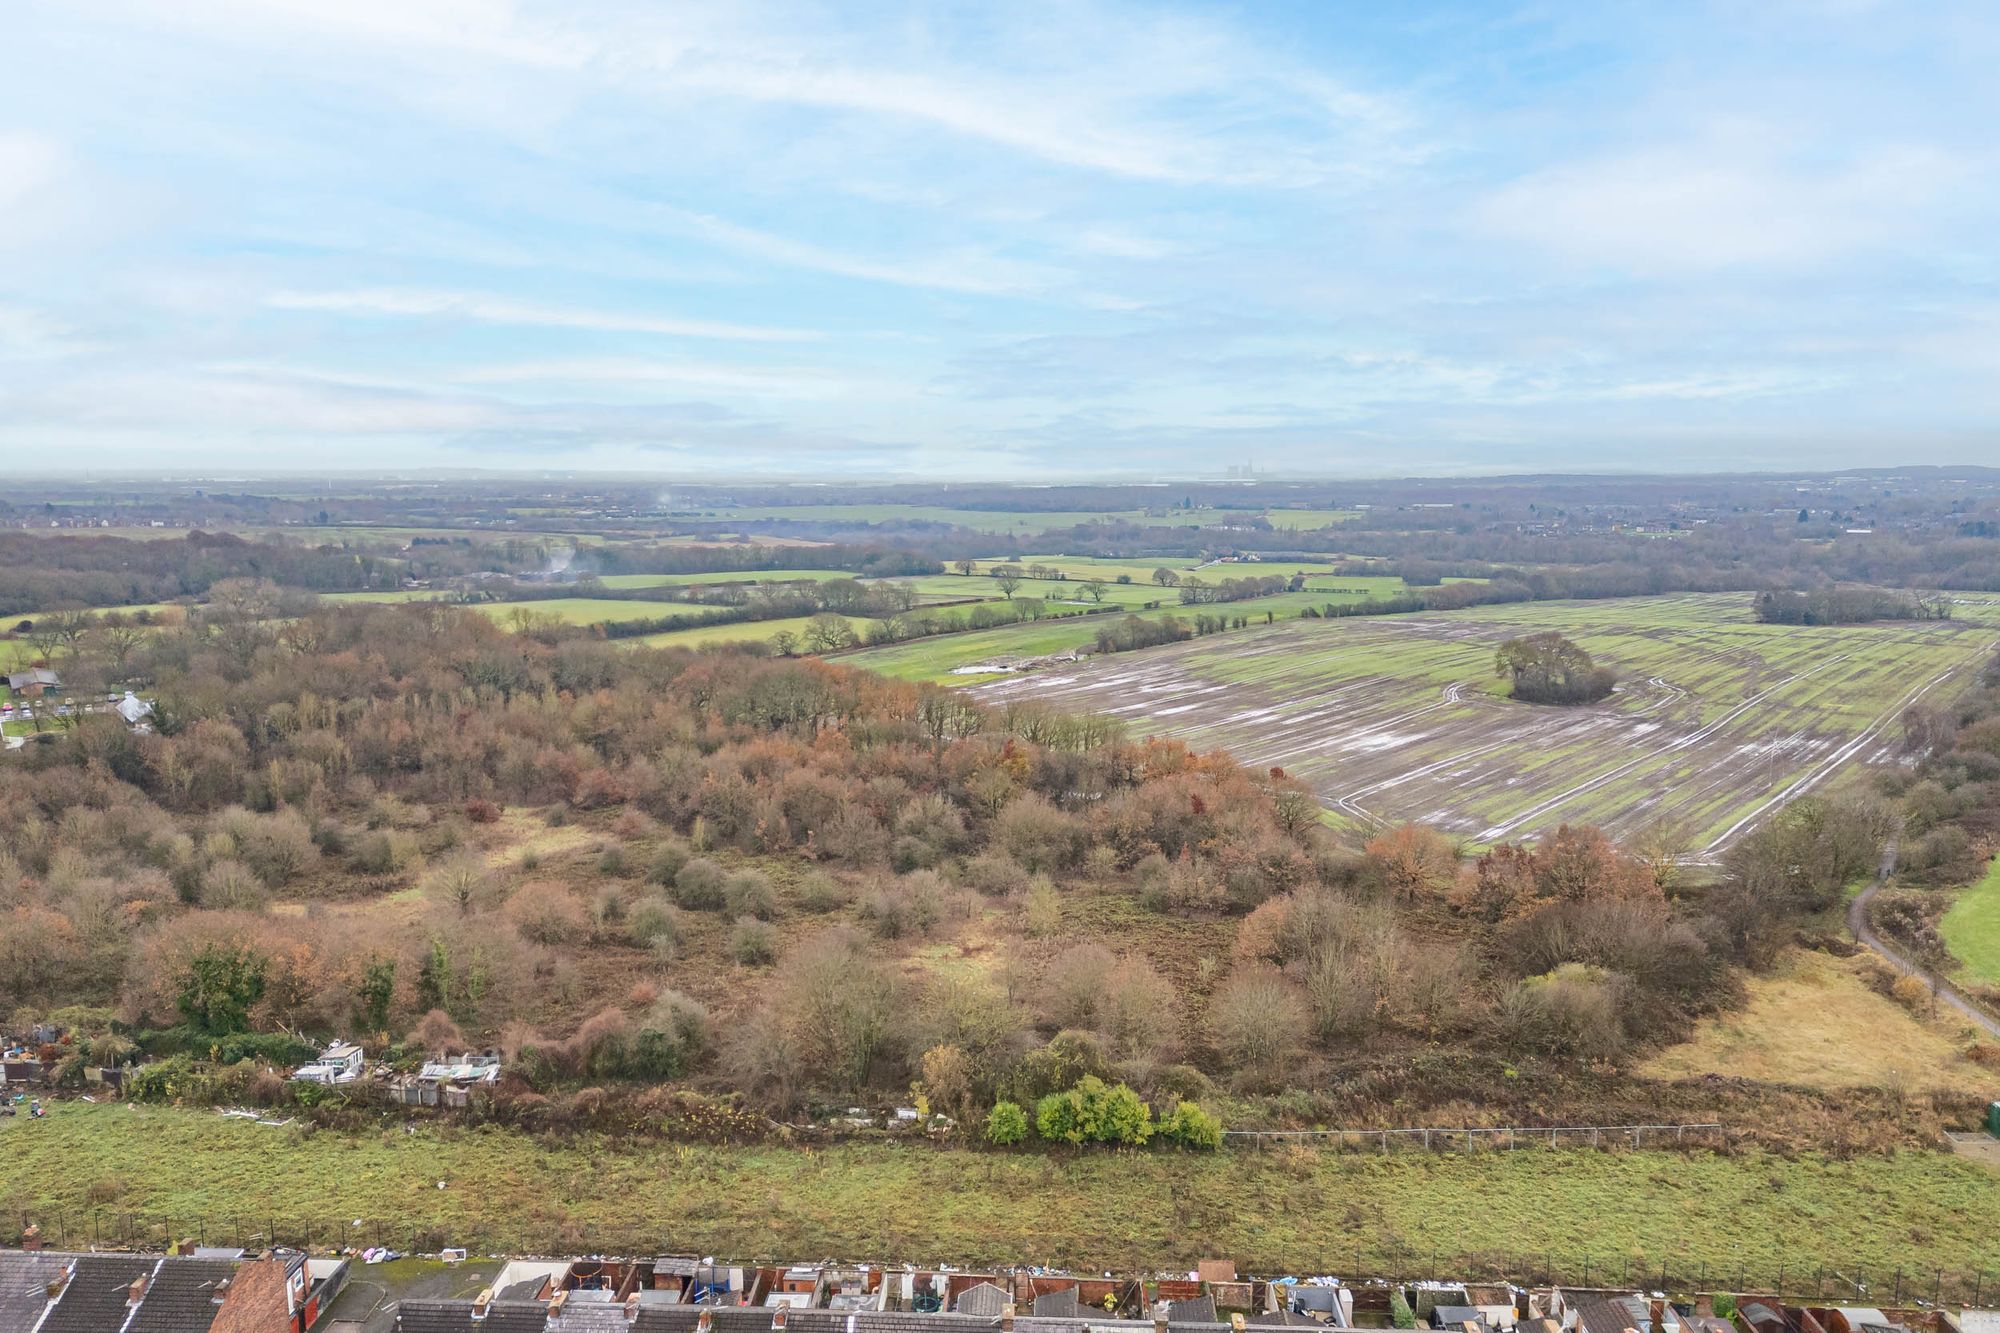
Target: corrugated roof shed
[1057,1304]
[180,1298]
[99,1293]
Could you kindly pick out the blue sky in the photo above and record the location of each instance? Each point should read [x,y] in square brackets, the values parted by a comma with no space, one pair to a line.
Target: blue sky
[1020,241]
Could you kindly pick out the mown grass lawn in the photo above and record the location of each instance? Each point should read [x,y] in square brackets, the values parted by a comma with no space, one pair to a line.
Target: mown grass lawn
[1297,1211]
[1971,928]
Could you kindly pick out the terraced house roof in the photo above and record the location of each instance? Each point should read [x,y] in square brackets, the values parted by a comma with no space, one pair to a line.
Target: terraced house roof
[99,1294]
[182,1296]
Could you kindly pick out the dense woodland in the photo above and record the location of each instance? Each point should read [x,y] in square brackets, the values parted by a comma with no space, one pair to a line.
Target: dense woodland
[799,883]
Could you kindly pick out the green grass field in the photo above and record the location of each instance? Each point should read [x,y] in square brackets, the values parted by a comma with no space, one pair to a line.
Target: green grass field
[944,659]
[743,576]
[590,610]
[1269,1211]
[569,610]
[1392,718]
[1971,928]
[750,631]
[983,587]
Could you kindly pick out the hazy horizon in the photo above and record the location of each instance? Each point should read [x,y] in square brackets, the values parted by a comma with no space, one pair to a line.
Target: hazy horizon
[1044,243]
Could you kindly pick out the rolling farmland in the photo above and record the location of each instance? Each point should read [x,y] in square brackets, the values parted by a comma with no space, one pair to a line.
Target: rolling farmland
[1718,719]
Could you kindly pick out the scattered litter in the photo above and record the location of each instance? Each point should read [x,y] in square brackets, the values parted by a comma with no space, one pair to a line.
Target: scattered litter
[453,1254]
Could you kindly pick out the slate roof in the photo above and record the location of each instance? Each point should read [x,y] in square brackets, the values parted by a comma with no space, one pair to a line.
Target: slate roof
[1606,1317]
[180,1298]
[98,1293]
[456,1317]
[1200,1310]
[24,1285]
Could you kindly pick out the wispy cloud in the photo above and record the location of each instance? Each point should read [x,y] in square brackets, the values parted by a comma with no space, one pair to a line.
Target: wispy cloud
[417,303]
[1721,202]
[1050,237]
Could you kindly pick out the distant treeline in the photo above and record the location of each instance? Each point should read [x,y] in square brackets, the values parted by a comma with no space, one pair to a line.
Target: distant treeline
[39,573]
[1196,592]
[862,561]
[1847,606]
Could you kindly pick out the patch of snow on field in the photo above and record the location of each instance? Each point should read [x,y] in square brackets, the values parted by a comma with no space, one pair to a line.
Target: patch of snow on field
[1387,740]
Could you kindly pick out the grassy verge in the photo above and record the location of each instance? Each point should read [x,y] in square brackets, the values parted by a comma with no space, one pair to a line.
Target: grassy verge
[1278,1211]
[1971,928]
[1815,1023]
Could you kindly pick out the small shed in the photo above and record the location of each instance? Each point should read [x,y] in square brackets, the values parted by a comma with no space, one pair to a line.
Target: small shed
[985,1299]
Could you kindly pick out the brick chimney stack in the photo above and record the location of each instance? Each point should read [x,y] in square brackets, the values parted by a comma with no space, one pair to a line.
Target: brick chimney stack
[1007,1318]
[137,1291]
[1159,1317]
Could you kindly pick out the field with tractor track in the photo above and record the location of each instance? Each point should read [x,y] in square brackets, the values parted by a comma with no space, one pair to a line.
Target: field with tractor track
[1717,719]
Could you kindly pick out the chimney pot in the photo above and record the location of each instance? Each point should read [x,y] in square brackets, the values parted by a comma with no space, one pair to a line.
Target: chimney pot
[705,1321]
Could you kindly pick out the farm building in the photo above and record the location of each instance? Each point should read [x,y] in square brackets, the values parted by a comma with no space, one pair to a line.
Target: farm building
[34,682]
